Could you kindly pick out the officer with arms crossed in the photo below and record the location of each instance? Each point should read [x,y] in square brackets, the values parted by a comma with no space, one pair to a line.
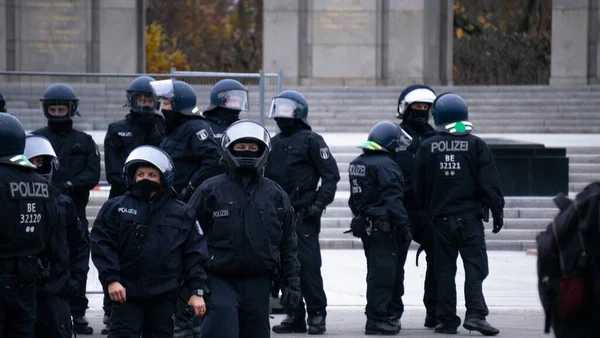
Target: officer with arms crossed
[455,179]
[249,224]
[30,224]
[380,221]
[300,158]
[187,140]
[144,244]
[57,283]
[79,170]
[413,109]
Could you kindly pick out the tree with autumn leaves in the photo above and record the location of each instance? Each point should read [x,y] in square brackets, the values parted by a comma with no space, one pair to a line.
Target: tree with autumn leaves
[204,35]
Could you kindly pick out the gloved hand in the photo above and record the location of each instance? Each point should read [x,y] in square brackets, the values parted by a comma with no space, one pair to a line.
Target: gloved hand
[186,193]
[498,224]
[290,293]
[67,188]
[315,210]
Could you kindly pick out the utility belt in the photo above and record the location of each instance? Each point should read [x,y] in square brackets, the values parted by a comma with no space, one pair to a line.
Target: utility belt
[25,269]
[362,226]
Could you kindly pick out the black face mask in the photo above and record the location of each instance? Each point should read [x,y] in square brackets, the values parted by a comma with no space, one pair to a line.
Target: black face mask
[418,116]
[172,119]
[143,189]
[288,126]
[60,126]
[145,120]
[223,116]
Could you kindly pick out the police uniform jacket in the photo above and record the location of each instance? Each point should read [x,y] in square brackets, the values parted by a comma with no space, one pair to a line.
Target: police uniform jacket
[376,188]
[194,152]
[149,247]
[455,174]
[249,225]
[297,163]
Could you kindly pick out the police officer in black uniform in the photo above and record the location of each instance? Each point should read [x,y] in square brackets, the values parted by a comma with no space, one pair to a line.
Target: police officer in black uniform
[381,221]
[144,244]
[31,224]
[300,158]
[249,224]
[413,109]
[455,179]
[141,126]
[58,282]
[79,170]
[228,98]
[187,140]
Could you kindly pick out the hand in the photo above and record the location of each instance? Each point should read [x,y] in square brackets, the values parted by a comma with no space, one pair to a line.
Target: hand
[186,193]
[315,210]
[498,224]
[117,292]
[67,188]
[197,303]
[290,293]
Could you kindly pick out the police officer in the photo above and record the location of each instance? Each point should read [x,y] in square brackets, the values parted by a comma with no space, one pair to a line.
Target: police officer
[413,109]
[78,173]
[455,177]
[228,98]
[143,244]
[141,126]
[300,158]
[58,282]
[249,224]
[380,220]
[30,224]
[187,140]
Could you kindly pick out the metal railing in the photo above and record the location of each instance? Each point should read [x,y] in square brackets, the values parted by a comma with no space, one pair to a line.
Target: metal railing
[102,95]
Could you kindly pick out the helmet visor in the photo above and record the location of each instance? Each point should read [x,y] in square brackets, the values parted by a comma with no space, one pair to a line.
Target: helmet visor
[245,130]
[162,89]
[234,99]
[152,155]
[404,140]
[284,108]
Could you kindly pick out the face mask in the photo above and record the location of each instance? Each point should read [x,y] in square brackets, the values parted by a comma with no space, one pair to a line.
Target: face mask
[287,126]
[60,125]
[144,189]
[145,119]
[419,116]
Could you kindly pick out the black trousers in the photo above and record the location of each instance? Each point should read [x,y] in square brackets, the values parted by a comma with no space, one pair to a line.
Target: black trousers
[147,317]
[462,234]
[79,302]
[17,308]
[424,233]
[53,317]
[237,307]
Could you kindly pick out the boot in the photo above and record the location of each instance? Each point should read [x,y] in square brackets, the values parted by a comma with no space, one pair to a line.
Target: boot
[441,328]
[106,322]
[481,326]
[316,324]
[275,306]
[395,321]
[82,326]
[291,325]
[380,328]
[430,322]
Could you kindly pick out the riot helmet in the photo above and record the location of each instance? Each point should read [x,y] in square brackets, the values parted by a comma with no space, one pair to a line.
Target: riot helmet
[246,131]
[180,94]
[12,142]
[147,155]
[387,137]
[38,148]
[228,94]
[2,104]
[140,96]
[289,104]
[451,114]
[414,103]
[60,102]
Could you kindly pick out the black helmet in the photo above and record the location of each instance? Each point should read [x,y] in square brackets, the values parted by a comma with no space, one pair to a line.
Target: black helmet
[387,137]
[12,141]
[289,104]
[39,146]
[153,156]
[140,89]
[181,95]
[2,104]
[246,131]
[451,114]
[229,94]
[60,94]
[417,93]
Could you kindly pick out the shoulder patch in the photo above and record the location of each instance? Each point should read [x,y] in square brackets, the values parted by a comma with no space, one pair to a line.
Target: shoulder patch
[324,153]
[202,134]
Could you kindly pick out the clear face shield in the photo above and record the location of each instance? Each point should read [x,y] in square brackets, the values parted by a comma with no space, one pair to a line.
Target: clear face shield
[404,140]
[283,108]
[162,89]
[234,99]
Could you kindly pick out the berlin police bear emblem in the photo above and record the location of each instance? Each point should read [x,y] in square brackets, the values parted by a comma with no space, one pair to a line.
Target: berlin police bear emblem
[324,153]
[202,134]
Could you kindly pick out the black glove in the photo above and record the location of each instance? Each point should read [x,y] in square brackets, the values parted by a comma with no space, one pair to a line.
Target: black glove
[315,210]
[290,294]
[67,188]
[186,193]
[498,224]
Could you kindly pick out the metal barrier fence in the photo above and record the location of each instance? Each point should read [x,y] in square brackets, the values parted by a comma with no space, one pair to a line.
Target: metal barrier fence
[102,95]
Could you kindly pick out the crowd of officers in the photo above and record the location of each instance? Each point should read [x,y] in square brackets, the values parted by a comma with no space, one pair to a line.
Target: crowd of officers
[209,217]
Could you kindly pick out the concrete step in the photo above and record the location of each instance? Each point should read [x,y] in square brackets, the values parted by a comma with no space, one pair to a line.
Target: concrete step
[584,158]
[583,150]
[584,168]
[583,178]
[516,129]
[505,234]
[491,244]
